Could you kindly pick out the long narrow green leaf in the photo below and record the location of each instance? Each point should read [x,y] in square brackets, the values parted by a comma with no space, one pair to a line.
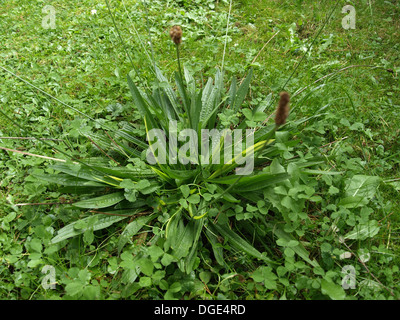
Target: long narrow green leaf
[77,170]
[124,134]
[183,93]
[183,238]
[191,258]
[166,87]
[191,84]
[67,180]
[260,182]
[131,229]
[238,242]
[70,231]
[126,173]
[208,106]
[261,107]
[140,103]
[232,92]
[195,109]
[217,248]
[101,202]
[242,91]
[207,91]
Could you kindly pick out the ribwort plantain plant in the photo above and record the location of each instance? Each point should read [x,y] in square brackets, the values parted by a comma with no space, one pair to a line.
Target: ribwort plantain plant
[191,203]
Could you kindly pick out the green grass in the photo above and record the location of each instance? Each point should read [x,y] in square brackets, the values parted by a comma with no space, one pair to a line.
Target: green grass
[83,64]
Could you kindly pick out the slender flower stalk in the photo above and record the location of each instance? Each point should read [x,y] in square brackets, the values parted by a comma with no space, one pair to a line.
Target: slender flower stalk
[176,36]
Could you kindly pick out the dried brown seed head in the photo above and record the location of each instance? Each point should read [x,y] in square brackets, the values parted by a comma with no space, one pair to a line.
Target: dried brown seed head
[282,112]
[176,34]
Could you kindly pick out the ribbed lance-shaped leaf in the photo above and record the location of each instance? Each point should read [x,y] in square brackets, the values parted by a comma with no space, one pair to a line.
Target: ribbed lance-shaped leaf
[131,229]
[242,91]
[140,103]
[208,107]
[195,109]
[130,138]
[265,133]
[229,167]
[260,182]
[232,92]
[80,190]
[127,173]
[238,242]
[217,248]
[168,91]
[183,238]
[78,171]
[182,92]
[219,85]
[101,202]
[191,258]
[67,180]
[261,107]
[227,196]
[191,84]
[207,91]
[86,173]
[100,223]
[159,103]
[103,142]
[181,174]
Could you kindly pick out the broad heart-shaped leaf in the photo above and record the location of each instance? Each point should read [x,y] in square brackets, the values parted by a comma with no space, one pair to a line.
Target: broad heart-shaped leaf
[100,222]
[131,229]
[101,202]
[237,241]
[364,231]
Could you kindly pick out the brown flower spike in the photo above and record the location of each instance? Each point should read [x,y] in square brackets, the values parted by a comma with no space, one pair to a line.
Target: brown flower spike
[176,34]
[282,112]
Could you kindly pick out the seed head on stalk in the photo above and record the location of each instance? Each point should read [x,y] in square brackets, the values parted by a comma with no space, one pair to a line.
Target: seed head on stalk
[176,34]
[282,112]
